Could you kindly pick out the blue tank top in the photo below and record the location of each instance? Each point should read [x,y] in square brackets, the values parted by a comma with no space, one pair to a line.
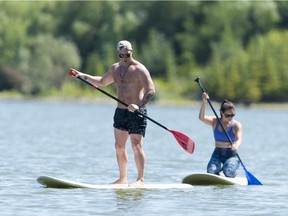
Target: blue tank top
[220,136]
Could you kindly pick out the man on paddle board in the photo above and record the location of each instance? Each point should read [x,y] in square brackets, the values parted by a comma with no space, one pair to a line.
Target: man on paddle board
[224,153]
[134,87]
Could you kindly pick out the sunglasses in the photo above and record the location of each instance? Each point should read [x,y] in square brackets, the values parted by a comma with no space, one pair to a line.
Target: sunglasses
[124,55]
[228,116]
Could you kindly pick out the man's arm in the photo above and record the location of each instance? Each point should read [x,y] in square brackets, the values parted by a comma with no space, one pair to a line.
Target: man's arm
[148,85]
[100,81]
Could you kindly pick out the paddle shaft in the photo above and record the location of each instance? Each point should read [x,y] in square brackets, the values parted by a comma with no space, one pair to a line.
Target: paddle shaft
[122,102]
[222,126]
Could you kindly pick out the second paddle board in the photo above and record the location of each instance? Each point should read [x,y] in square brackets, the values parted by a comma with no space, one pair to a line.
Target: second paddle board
[211,179]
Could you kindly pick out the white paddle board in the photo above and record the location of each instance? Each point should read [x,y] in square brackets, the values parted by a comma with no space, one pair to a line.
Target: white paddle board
[211,179]
[52,182]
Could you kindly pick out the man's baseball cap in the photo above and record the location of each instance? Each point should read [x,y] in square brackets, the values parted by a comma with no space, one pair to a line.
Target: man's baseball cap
[124,45]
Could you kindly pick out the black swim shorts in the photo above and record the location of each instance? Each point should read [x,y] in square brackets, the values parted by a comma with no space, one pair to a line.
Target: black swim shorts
[132,122]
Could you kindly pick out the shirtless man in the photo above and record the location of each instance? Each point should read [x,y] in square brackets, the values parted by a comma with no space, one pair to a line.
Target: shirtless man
[136,88]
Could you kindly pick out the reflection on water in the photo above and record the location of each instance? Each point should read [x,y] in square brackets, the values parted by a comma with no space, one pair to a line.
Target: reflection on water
[126,195]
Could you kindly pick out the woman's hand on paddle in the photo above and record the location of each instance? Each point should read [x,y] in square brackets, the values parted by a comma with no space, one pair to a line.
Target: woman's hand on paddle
[235,145]
[205,97]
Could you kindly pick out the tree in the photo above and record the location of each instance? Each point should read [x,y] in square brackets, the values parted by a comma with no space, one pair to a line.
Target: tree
[46,63]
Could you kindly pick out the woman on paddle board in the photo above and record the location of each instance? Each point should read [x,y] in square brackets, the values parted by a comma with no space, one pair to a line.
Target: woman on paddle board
[224,157]
[134,87]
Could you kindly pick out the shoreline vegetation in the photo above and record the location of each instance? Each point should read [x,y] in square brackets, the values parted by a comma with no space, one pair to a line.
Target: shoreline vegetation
[239,50]
[100,99]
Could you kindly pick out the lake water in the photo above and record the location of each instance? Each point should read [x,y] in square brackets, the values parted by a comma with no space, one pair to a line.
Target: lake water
[74,141]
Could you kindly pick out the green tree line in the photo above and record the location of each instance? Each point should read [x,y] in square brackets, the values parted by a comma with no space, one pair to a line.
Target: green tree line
[238,48]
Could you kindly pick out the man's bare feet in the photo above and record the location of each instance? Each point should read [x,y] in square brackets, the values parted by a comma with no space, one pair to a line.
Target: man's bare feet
[138,183]
[120,181]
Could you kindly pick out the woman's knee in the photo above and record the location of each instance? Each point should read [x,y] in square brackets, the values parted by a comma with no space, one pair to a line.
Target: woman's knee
[230,172]
[213,169]
[214,166]
[230,168]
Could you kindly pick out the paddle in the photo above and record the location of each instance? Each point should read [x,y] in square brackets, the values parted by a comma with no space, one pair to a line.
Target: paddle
[252,180]
[186,143]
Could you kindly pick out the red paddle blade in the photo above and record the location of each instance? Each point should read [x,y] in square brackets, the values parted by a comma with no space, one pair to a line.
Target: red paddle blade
[187,144]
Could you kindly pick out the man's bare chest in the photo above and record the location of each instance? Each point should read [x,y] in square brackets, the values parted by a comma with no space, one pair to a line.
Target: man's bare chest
[126,76]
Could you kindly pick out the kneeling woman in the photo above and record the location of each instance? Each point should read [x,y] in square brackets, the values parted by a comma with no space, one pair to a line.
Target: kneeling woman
[224,157]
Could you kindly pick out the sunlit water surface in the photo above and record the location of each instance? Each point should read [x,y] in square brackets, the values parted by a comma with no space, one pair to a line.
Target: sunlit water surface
[75,141]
